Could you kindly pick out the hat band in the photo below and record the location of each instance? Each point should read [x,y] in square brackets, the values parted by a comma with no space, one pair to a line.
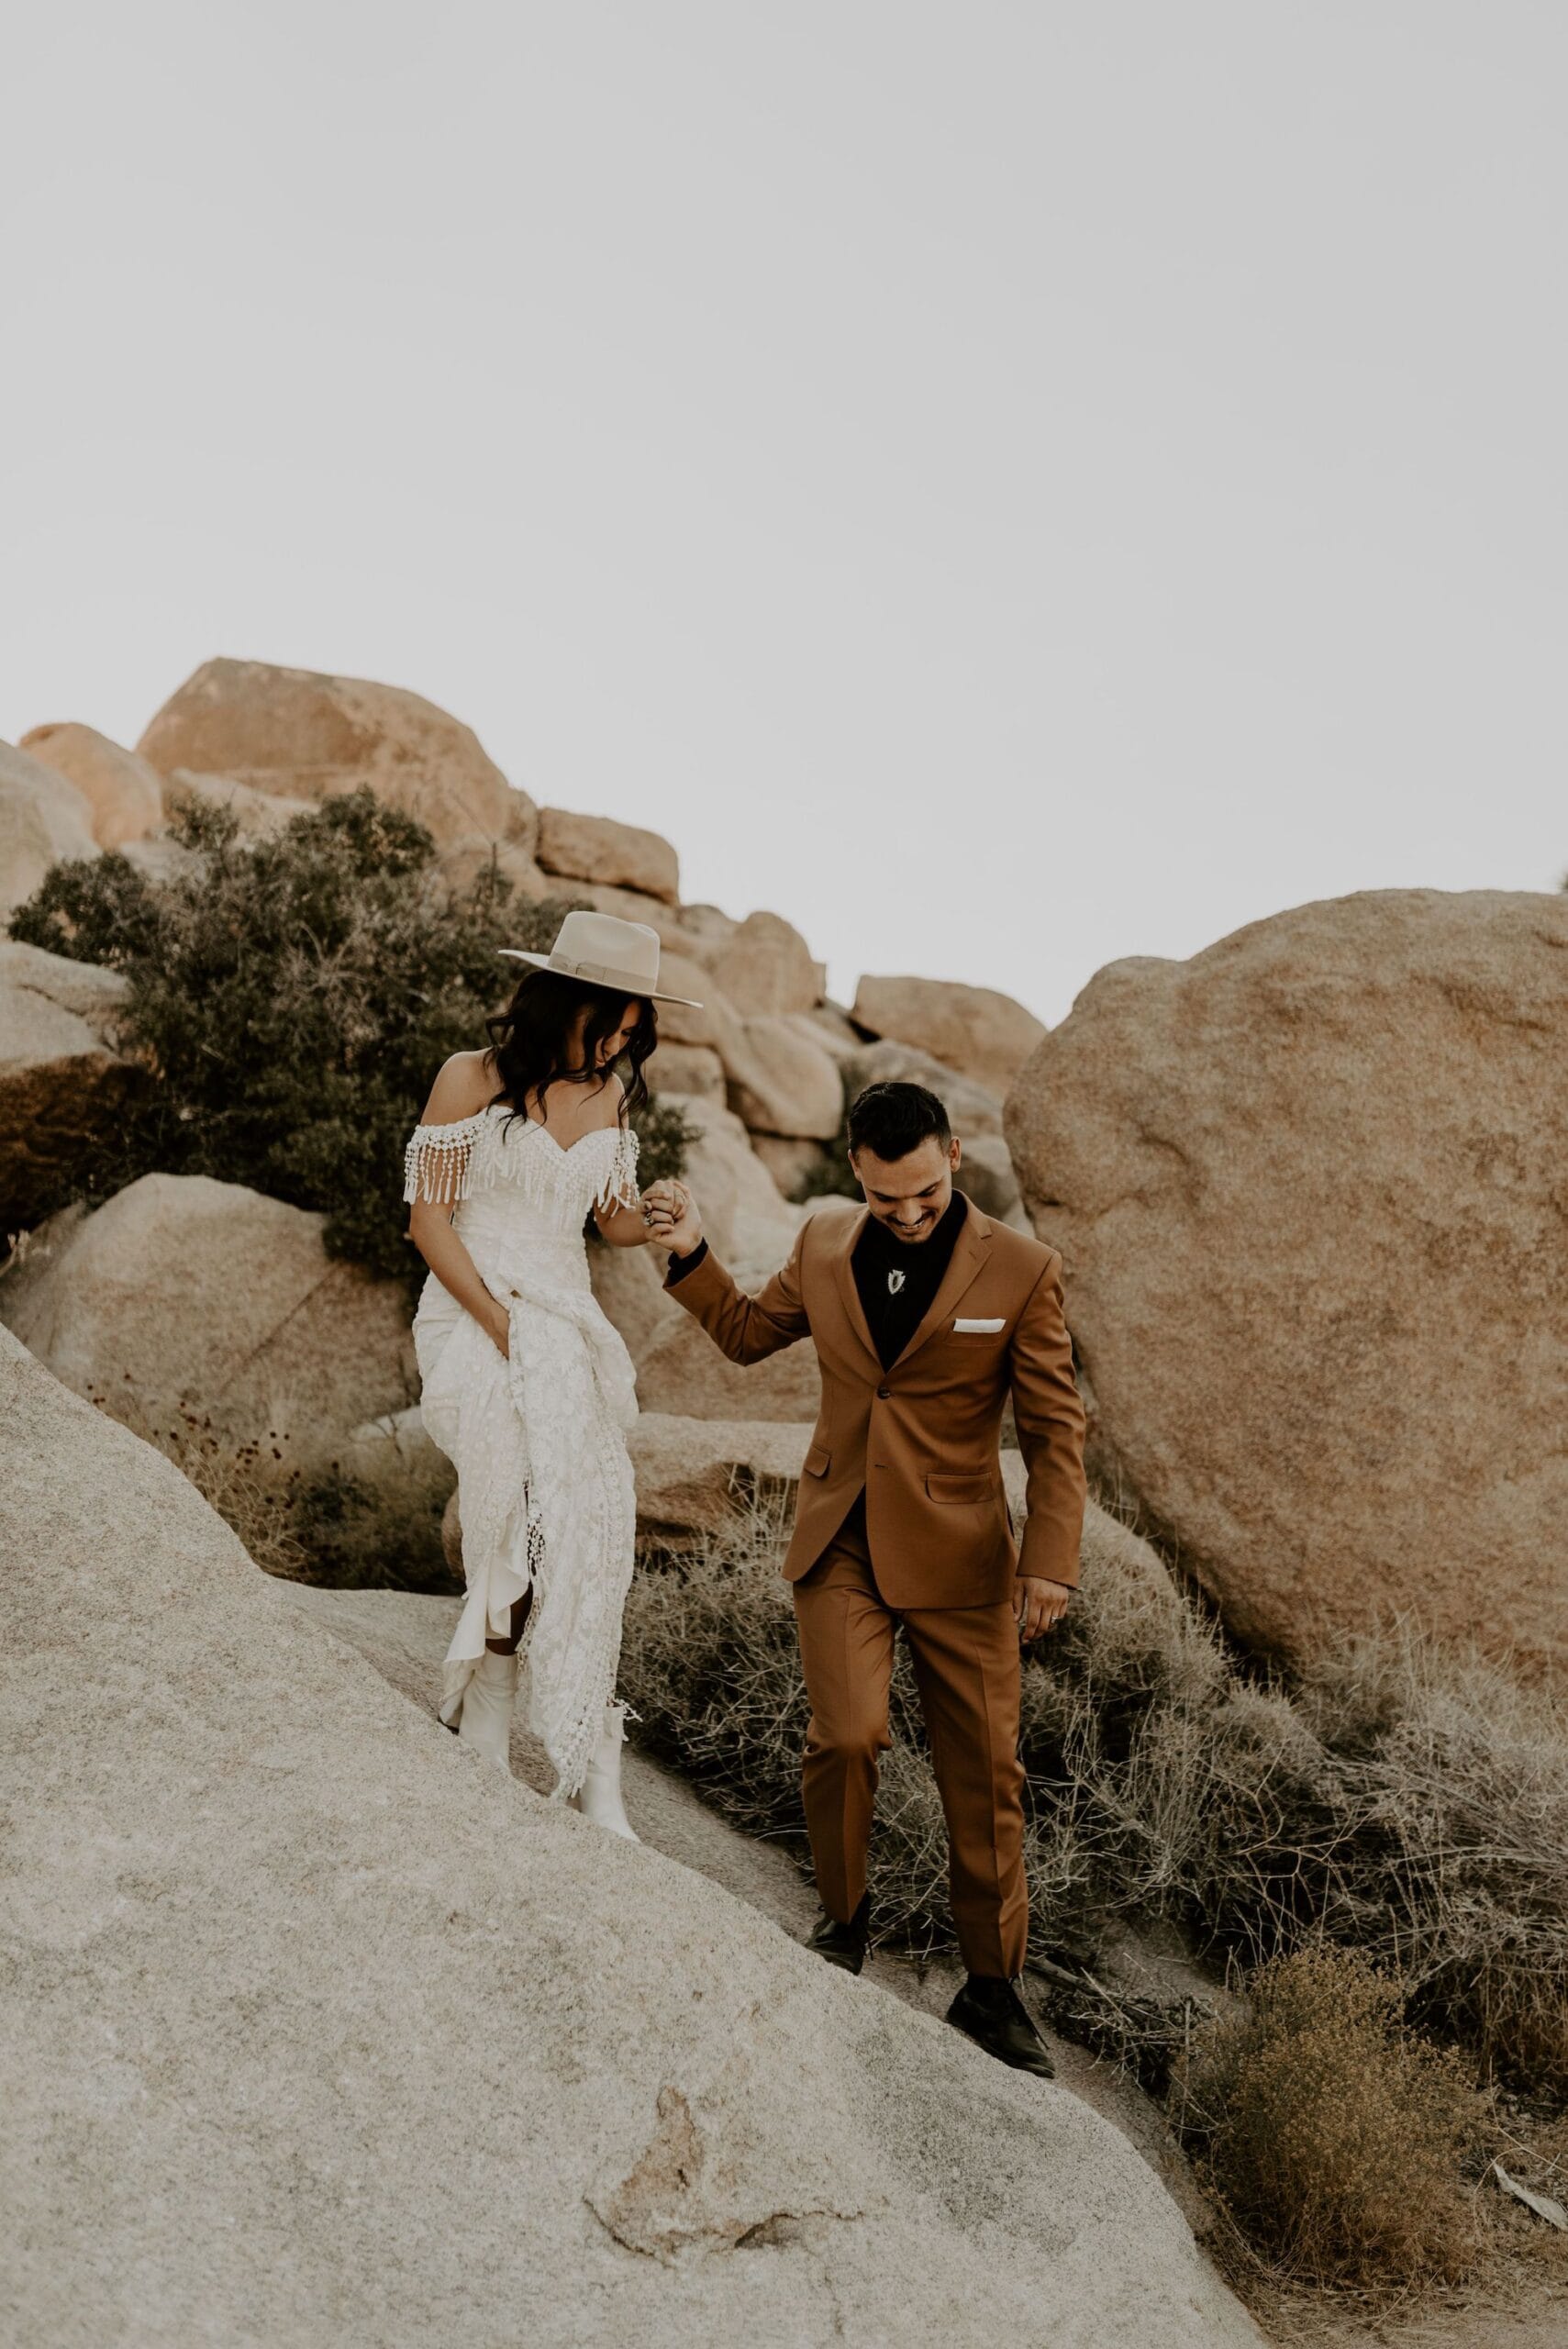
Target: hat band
[603,974]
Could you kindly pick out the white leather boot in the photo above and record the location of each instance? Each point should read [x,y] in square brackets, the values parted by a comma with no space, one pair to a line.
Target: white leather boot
[486,1718]
[599,1798]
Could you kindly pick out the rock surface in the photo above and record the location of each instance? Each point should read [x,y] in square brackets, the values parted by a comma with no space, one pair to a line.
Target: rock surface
[61,1079]
[972,1109]
[696,1478]
[780,1081]
[405,1635]
[744,1213]
[181,1290]
[985,1174]
[790,1164]
[1309,1190]
[322,2031]
[388,1451]
[687,1068]
[461,862]
[258,814]
[679,1023]
[765,965]
[43,817]
[685,1375]
[306,736]
[681,1369]
[629,1284]
[125,794]
[977,1030]
[595,848]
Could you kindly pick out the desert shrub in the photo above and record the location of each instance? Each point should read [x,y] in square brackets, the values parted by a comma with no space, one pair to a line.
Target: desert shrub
[246,1480]
[356,1534]
[1333,2135]
[1392,1803]
[292,998]
[317,1525]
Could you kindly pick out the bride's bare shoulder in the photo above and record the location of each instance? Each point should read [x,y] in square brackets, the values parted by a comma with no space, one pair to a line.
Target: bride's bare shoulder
[463,1085]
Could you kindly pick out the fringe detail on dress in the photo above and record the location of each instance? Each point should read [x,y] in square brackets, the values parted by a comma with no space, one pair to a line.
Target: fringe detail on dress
[436,1163]
[619,1188]
[447,1164]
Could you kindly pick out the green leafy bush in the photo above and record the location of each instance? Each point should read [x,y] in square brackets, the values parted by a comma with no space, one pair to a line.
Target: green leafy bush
[292,998]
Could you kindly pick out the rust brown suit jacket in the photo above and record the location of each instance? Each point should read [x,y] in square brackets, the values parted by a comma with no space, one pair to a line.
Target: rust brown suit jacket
[922,1437]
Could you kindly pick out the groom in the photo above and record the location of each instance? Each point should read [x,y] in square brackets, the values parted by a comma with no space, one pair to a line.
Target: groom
[926,1315]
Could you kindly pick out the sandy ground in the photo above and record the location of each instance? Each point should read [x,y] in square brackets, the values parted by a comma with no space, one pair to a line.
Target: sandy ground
[405,1635]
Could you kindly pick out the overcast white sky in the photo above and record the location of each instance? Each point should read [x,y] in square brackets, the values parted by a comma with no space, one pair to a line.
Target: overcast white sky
[1006,485]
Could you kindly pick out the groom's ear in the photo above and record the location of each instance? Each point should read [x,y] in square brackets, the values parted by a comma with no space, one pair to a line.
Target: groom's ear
[956,1155]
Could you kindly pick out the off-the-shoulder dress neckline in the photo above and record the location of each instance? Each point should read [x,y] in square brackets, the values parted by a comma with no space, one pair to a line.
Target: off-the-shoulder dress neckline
[565,1148]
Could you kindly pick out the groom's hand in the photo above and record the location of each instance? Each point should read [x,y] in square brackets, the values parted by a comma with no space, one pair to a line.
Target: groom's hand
[1038,1606]
[674,1220]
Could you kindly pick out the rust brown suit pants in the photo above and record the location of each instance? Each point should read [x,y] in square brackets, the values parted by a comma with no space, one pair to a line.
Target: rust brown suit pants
[966,1668]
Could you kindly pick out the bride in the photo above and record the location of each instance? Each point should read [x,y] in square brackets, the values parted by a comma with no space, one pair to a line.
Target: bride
[526,1387]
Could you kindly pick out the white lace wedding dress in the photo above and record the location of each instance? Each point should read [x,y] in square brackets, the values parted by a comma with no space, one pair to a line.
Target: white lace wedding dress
[538,1437]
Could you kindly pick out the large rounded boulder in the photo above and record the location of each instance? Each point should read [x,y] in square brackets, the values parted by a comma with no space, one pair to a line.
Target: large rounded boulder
[306,736]
[124,794]
[597,849]
[1310,1191]
[978,1029]
[44,818]
[765,967]
[317,2029]
[62,1078]
[183,1296]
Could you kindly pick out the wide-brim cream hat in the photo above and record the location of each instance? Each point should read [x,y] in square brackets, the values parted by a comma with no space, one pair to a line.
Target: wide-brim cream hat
[605,951]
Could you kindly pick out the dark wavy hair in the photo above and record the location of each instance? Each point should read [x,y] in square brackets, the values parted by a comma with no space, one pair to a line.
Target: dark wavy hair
[891,1119]
[532,1041]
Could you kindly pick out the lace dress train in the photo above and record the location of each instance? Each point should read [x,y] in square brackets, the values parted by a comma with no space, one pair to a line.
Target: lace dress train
[537,1436]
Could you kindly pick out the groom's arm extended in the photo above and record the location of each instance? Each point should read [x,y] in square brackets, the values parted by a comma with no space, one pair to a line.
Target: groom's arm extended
[748,1329]
[1050,1420]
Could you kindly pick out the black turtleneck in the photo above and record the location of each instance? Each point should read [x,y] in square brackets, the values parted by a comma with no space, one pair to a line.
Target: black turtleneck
[898,1278]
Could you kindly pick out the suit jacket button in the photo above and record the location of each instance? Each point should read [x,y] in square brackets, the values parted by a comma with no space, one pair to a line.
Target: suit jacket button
[882,1393]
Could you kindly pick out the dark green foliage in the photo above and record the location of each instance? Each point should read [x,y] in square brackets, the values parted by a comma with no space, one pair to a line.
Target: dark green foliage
[835,1180]
[354,1536]
[664,1138]
[98,910]
[293,999]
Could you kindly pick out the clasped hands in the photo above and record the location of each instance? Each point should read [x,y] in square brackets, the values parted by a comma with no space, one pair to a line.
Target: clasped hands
[672,1216]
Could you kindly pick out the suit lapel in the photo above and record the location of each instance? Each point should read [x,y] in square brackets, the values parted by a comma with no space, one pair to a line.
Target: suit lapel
[849,1295]
[970,1252]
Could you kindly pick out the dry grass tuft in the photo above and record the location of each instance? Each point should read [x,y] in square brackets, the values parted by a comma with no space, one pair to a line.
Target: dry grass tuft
[342,1531]
[1392,1803]
[1335,2137]
[249,1482]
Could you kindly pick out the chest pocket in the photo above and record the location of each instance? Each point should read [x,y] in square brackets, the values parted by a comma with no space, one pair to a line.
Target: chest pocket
[980,1344]
[958,1489]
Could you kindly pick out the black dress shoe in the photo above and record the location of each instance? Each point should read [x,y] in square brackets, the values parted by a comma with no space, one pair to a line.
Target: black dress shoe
[842,1946]
[990,2012]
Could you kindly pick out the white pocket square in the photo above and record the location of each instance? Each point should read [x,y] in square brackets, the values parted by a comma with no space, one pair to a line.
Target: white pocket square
[981,1328]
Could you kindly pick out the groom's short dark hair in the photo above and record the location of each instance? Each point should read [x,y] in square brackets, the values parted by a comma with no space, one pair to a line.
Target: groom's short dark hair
[890,1121]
